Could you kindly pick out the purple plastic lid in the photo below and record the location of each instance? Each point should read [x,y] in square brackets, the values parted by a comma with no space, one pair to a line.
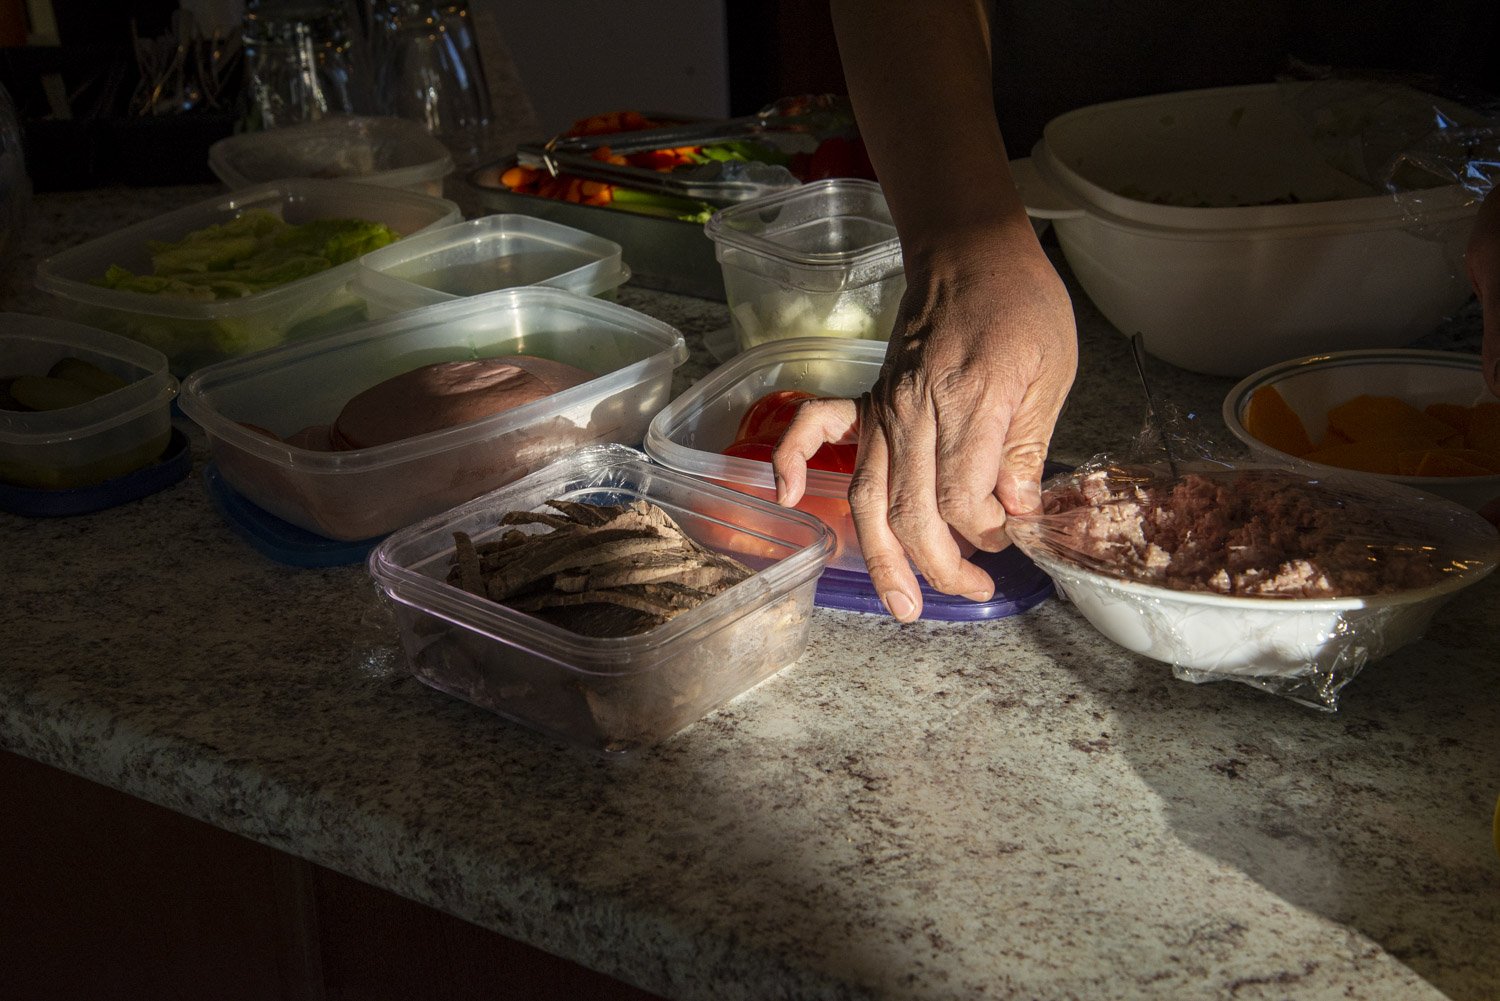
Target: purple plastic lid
[175,463]
[1019,584]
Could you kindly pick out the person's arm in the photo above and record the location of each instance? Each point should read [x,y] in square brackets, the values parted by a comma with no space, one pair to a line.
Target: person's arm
[1483,261]
[955,432]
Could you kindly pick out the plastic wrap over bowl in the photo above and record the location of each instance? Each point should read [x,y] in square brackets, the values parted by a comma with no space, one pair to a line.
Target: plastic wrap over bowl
[1263,575]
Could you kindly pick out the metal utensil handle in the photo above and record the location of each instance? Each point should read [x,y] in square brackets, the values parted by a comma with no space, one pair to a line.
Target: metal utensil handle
[1138,351]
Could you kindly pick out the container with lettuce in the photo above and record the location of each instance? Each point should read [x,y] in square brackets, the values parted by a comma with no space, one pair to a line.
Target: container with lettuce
[248,254]
[200,287]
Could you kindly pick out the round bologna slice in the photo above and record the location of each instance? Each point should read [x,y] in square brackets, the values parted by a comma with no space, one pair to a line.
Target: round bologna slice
[446,395]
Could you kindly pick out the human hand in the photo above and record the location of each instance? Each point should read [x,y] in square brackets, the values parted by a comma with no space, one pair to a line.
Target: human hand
[954,434]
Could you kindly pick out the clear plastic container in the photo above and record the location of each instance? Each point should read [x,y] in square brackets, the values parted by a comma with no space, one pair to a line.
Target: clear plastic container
[366,492]
[690,433]
[194,333]
[820,260]
[482,255]
[79,446]
[383,150]
[608,695]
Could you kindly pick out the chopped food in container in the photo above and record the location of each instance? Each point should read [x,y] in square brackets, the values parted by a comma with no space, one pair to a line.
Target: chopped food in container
[485,254]
[261,412]
[372,149]
[692,432]
[606,694]
[78,434]
[1419,418]
[822,260]
[1288,581]
[193,332]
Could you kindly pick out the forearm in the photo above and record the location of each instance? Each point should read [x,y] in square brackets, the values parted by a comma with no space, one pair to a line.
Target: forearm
[919,78]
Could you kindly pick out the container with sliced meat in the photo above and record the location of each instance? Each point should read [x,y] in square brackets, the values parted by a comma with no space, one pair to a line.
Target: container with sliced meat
[603,600]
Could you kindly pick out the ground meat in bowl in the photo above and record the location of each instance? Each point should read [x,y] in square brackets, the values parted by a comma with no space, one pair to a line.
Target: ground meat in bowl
[1247,533]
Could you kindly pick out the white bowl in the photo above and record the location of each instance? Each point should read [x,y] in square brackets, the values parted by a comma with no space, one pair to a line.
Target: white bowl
[1303,648]
[1313,385]
[1166,209]
[382,150]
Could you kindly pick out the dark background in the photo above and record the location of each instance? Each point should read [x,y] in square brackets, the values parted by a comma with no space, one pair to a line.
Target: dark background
[1051,56]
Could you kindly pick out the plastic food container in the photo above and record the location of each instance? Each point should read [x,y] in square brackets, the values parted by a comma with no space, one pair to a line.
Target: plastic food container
[666,254]
[485,254]
[1314,385]
[361,493]
[387,151]
[193,333]
[1223,225]
[83,445]
[819,260]
[690,432]
[610,695]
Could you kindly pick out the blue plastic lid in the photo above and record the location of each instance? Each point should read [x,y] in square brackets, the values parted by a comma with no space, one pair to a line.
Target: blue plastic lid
[280,540]
[35,502]
[1019,584]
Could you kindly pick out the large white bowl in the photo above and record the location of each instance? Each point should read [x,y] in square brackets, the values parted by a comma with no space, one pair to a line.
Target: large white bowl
[1315,384]
[1302,648]
[1216,224]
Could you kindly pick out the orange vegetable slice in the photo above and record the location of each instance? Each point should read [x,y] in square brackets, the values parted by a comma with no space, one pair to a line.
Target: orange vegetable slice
[1483,432]
[1455,415]
[1269,418]
[1448,463]
[1381,455]
[1367,418]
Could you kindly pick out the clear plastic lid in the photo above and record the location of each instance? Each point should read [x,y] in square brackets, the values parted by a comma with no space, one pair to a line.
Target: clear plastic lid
[840,224]
[493,252]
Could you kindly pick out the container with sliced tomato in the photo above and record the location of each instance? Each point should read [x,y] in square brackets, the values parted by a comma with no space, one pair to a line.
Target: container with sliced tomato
[724,428]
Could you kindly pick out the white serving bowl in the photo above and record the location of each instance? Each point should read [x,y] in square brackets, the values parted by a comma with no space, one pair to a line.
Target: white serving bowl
[1303,648]
[1313,385]
[1218,225]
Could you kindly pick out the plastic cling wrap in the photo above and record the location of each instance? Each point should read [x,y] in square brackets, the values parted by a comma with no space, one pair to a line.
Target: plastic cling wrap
[1265,575]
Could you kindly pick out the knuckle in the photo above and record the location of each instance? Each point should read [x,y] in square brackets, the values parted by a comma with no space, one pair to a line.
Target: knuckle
[865,495]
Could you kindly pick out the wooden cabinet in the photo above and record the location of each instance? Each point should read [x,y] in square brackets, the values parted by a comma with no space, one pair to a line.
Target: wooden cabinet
[108,897]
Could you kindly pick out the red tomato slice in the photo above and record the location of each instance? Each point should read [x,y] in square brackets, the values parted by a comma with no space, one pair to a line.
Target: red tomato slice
[768,418]
[834,458]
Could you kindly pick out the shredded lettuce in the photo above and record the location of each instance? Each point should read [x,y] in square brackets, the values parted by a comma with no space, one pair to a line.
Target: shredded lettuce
[249,254]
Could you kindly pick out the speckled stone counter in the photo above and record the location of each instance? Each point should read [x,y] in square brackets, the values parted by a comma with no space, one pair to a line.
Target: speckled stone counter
[1013,809]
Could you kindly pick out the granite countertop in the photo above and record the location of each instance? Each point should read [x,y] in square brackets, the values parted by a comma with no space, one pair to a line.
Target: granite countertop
[1009,809]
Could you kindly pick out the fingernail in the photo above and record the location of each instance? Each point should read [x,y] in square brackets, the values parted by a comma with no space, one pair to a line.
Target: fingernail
[979,595]
[780,489]
[1030,495]
[899,604]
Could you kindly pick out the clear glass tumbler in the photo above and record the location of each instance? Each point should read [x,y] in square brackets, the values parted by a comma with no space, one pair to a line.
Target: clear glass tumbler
[299,61]
[426,67]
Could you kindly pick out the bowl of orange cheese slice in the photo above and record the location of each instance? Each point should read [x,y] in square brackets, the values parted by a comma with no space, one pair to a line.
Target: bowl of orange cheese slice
[1422,418]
